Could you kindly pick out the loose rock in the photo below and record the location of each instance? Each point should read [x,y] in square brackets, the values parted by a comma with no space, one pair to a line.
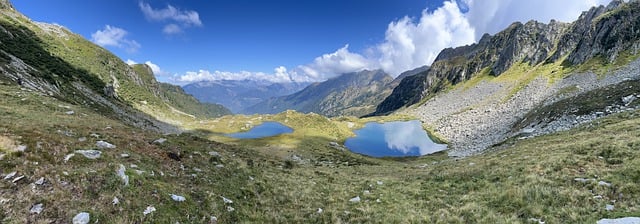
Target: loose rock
[159,141]
[40,181]
[104,145]
[90,154]
[81,218]
[10,175]
[609,207]
[149,210]
[122,175]
[226,200]
[355,200]
[68,157]
[603,183]
[115,201]
[177,197]
[17,179]
[70,112]
[625,220]
[36,209]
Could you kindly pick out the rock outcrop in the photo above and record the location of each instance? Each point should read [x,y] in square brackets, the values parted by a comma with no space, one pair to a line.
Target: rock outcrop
[600,32]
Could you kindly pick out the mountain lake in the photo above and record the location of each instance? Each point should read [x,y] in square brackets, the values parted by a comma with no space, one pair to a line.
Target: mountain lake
[266,129]
[393,139]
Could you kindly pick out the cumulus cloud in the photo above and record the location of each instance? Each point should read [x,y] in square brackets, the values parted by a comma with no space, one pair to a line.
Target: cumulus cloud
[494,15]
[114,37]
[177,19]
[156,69]
[409,44]
[280,75]
[131,62]
[414,42]
[339,62]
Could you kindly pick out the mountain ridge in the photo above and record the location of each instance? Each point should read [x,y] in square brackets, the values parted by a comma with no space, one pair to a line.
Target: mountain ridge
[238,95]
[348,94]
[532,43]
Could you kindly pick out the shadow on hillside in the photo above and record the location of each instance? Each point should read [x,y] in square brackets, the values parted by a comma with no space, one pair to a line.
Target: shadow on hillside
[25,44]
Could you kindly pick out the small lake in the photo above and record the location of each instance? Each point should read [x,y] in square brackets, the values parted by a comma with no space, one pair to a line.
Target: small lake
[394,139]
[266,129]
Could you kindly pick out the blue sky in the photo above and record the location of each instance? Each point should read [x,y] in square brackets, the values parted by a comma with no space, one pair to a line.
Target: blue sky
[285,40]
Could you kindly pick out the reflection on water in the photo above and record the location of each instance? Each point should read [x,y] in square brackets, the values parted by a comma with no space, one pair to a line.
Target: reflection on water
[266,129]
[400,138]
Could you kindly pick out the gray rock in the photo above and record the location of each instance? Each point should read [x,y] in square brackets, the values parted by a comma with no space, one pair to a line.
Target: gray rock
[230,209]
[81,218]
[122,175]
[583,180]
[226,200]
[159,141]
[603,183]
[71,112]
[178,198]
[355,200]
[40,181]
[609,207]
[90,153]
[104,145]
[149,210]
[82,139]
[10,175]
[36,209]
[625,220]
[214,153]
[68,157]
[628,99]
[115,201]
[17,179]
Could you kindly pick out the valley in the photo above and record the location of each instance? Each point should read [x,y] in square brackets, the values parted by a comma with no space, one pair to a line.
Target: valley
[537,129]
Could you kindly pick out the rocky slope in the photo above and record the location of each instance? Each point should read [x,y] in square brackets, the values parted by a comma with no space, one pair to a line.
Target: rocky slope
[54,61]
[238,95]
[354,93]
[600,33]
[495,84]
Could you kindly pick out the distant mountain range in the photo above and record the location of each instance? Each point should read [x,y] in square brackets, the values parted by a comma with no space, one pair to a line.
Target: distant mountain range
[356,93]
[238,95]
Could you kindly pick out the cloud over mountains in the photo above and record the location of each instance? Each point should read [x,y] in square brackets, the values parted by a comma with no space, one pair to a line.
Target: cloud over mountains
[414,42]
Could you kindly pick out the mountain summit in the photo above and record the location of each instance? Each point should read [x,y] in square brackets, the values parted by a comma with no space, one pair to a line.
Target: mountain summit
[602,32]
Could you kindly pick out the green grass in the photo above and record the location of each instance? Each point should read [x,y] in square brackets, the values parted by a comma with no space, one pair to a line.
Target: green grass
[520,180]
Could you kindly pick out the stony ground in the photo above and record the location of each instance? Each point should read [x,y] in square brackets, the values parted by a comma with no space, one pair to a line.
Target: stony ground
[473,119]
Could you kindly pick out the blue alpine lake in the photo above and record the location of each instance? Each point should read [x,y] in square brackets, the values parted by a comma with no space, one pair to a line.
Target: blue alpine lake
[266,129]
[393,139]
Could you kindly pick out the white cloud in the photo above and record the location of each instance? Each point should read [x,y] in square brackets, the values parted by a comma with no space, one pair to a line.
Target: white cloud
[177,19]
[339,62]
[413,42]
[409,44]
[491,16]
[156,69]
[114,37]
[280,75]
[172,29]
[131,62]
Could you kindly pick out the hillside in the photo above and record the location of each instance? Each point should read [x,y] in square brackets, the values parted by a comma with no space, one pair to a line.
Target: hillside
[238,95]
[354,94]
[473,95]
[84,139]
[54,61]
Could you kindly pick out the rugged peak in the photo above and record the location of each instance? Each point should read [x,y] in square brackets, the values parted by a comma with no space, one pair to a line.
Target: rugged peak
[603,31]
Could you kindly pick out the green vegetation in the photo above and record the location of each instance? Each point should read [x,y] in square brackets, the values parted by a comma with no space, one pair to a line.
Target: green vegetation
[602,66]
[517,181]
